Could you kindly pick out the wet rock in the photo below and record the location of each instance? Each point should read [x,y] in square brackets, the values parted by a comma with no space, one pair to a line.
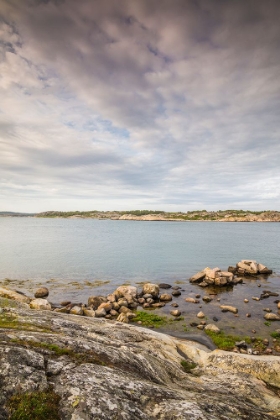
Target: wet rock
[122,302]
[42,292]
[272,317]
[278,305]
[164,286]
[215,319]
[99,313]
[191,300]
[40,304]
[113,312]
[151,288]
[241,344]
[207,299]
[198,277]
[200,327]
[248,315]
[175,305]
[126,291]
[165,297]
[200,315]
[158,305]
[194,324]
[267,309]
[212,327]
[197,296]
[111,298]
[106,305]
[175,312]
[228,308]
[76,310]
[95,301]
[255,298]
[246,300]
[65,302]
[123,318]
[203,284]
[89,312]
[176,293]
[232,269]
[263,269]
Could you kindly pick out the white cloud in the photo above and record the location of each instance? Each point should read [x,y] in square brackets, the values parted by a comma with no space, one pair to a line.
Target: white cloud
[127,104]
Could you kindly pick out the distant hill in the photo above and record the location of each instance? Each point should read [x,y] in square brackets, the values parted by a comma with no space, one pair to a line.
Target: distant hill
[15,214]
[157,215]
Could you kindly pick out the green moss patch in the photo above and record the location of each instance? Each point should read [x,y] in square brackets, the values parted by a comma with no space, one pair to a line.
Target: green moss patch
[88,357]
[10,321]
[35,406]
[150,319]
[224,341]
[188,365]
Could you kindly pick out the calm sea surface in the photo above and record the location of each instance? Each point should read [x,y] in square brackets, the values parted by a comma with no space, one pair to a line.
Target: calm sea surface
[129,251]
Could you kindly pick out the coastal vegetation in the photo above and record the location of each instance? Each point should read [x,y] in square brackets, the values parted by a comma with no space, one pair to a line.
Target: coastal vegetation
[197,215]
[35,406]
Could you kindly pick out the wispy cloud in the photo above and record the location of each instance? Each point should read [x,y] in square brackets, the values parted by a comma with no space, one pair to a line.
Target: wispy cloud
[136,104]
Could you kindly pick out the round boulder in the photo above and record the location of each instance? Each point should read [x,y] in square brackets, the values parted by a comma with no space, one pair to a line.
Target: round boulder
[151,289]
[42,292]
[165,297]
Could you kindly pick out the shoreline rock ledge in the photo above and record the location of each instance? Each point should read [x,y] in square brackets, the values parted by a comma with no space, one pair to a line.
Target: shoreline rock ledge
[103,369]
[217,277]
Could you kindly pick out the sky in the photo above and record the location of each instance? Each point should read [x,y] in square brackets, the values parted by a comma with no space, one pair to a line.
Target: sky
[139,104]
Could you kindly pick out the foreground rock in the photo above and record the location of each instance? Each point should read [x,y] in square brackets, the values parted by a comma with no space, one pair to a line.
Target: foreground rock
[103,369]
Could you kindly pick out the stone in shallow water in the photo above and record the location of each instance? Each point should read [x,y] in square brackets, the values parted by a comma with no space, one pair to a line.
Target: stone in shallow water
[164,286]
[42,292]
[165,297]
[272,317]
[228,308]
[212,327]
[175,312]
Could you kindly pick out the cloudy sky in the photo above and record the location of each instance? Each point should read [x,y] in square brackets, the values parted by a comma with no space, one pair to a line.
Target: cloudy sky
[139,104]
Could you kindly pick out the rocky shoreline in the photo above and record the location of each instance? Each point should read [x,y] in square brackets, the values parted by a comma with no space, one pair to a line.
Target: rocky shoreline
[123,304]
[96,368]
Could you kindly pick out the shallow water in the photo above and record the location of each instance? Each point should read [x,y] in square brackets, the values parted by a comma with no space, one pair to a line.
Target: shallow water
[76,258]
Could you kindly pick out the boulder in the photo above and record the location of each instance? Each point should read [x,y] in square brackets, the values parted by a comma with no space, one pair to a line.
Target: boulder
[165,297]
[123,291]
[272,317]
[191,300]
[228,308]
[95,301]
[76,310]
[40,304]
[263,269]
[175,312]
[246,267]
[123,318]
[89,312]
[212,327]
[211,272]
[106,305]
[99,313]
[152,289]
[42,292]
[164,286]
[198,277]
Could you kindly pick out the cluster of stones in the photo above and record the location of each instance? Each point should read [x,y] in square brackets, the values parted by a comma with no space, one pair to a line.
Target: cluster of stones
[217,277]
[118,305]
[249,267]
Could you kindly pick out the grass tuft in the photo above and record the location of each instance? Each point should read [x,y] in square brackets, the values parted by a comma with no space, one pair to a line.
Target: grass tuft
[150,319]
[35,406]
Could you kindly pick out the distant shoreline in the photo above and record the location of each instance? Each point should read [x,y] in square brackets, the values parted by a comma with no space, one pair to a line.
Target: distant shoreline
[159,216]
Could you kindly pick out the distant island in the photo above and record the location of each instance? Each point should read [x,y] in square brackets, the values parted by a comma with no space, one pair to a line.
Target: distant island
[158,215]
